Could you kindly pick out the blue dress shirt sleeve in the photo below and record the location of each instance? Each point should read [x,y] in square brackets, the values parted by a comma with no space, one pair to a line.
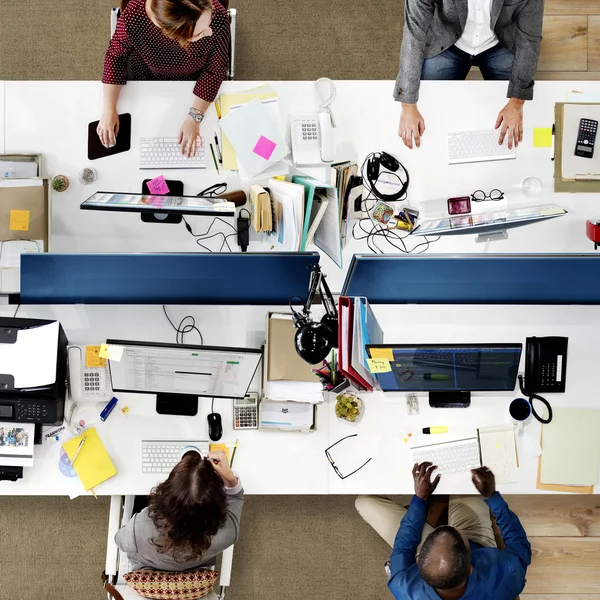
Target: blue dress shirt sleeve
[408,538]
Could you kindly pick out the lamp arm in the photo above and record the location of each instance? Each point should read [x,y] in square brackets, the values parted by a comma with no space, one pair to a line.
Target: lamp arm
[327,298]
[315,281]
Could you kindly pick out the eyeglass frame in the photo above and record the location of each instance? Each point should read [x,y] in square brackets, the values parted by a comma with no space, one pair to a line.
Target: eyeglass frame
[337,471]
[487,197]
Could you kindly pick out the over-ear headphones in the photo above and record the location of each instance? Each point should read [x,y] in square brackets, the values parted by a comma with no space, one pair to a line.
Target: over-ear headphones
[375,163]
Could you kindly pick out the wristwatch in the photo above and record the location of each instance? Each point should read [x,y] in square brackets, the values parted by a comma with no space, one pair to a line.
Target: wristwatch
[196,114]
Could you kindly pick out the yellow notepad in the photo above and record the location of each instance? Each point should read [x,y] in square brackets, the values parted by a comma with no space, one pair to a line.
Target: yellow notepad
[93,465]
[221,447]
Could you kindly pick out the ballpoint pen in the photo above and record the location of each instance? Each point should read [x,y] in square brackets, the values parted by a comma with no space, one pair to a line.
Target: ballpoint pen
[219,153]
[78,451]
[212,151]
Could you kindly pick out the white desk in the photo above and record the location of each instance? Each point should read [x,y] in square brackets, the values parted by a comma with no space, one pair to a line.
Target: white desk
[367,120]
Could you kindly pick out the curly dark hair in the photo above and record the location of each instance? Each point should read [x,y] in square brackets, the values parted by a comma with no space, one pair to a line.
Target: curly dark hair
[188,508]
[457,562]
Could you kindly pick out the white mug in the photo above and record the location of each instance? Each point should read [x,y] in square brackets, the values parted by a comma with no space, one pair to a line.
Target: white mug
[520,413]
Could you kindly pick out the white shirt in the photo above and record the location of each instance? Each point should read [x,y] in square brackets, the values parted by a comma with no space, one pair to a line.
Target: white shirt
[478,35]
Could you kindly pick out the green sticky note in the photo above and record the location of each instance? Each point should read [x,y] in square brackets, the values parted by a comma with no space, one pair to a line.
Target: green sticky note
[542,137]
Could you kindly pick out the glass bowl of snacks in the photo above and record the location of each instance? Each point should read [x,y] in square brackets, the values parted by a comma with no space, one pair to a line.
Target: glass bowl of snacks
[348,406]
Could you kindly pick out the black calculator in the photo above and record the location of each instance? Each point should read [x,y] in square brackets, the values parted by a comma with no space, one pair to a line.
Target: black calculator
[586,136]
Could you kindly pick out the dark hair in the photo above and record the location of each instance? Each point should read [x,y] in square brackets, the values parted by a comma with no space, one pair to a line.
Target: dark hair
[178,18]
[188,508]
[458,561]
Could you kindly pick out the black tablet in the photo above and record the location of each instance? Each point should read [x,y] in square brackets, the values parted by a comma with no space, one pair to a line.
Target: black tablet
[95,147]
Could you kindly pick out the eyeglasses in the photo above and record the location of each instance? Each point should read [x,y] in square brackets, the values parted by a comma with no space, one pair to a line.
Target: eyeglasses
[330,459]
[481,196]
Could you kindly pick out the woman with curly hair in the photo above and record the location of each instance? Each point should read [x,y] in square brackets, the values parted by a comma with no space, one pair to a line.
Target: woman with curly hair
[191,517]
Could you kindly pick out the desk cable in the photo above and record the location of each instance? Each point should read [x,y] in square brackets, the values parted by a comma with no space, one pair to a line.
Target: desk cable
[326,92]
[531,397]
[183,328]
[375,229]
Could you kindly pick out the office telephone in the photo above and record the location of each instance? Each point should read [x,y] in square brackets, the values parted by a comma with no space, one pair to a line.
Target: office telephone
[312,139]
[87,384]
[546,364]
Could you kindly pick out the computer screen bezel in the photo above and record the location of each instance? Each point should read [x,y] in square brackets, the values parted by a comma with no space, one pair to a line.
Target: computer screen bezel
[485,346]
[184,347]
[200,211]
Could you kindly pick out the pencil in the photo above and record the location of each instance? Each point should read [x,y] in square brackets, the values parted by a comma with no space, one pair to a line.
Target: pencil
[212,151]
[218,108]
[233,454]
[78,450]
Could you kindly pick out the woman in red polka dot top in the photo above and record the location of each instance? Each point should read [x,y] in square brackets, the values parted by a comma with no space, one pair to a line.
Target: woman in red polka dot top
[167,40]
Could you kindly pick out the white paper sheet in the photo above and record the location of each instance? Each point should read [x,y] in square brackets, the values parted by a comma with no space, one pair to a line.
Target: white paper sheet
[499,453]
[16,444]
[287,414]
[32,359]
[243,127]
[11,250]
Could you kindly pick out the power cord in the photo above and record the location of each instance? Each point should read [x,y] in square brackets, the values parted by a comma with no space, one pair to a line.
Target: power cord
[16,311]
[183,329]
[377,230]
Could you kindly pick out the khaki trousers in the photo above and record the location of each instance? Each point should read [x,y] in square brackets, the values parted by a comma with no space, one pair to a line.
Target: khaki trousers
[470,514]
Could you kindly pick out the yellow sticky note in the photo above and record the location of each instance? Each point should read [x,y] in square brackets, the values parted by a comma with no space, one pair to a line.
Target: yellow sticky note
[19,220]
[111,352]
[92,358]
[542,137]
[382,353]
[379,365]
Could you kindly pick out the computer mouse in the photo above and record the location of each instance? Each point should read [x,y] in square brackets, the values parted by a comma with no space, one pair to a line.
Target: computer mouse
[215,426]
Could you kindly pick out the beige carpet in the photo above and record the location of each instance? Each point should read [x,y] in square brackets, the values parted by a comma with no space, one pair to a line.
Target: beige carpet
[66,39]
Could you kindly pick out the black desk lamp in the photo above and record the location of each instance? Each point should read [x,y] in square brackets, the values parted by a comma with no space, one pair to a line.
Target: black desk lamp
[314,340]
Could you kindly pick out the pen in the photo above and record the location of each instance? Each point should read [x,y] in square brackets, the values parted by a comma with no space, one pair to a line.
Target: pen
[77,451]
[218,108]
[212,151]
[219,153]
[233,454]
[108,409]
[442,429]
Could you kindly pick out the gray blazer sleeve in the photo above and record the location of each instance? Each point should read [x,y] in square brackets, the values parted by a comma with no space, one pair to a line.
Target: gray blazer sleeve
[527,49]
[125,537]
[418,15]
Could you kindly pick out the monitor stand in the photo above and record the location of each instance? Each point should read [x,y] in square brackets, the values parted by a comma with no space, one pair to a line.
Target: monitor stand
[161,218]
[177,404]
[449,399]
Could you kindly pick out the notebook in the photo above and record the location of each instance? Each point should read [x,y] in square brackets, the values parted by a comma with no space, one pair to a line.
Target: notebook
[499,452]
[93,465]
[571,447]
[221,448]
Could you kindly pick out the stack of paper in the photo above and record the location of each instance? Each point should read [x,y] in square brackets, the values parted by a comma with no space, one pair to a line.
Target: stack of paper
[571,447]
[344,176]
[289,378]
[261,209]
[252,140]
[285,415]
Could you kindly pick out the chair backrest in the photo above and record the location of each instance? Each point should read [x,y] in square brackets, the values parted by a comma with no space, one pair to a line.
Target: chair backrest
[232,12]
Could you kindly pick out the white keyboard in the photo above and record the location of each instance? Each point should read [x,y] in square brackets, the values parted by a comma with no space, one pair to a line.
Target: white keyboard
[165,153]
[450,457]
[477,146]
[160,456]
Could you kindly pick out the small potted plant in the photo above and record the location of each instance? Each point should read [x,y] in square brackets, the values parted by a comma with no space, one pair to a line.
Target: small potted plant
[348,406]
[60,183]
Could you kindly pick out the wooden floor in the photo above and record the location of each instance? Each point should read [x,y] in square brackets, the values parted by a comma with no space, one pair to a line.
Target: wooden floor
[564,532]
[571,41]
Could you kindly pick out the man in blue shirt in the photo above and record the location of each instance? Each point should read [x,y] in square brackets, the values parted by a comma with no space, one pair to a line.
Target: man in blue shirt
[455,561]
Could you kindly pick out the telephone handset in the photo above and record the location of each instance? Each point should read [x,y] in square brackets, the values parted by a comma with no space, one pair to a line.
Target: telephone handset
[312,139]
[545,370]
[87,384]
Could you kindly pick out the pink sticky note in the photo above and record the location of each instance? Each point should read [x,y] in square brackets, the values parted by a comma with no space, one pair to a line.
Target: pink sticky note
[158,185]
[264,147]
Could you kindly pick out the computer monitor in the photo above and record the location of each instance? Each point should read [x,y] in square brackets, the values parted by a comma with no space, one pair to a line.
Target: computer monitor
[449,372]
[178,374]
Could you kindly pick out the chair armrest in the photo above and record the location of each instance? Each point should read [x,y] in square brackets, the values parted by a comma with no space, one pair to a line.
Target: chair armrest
[114,524]
[226,567]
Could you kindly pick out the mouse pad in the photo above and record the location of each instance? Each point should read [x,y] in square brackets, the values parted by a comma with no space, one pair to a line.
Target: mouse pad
[95,147]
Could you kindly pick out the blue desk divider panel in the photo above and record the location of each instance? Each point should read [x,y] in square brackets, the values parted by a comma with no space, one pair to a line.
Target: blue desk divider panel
[475,279]
[269,278]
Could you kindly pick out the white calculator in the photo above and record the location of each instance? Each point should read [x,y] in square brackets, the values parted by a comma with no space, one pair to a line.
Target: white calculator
[245,412]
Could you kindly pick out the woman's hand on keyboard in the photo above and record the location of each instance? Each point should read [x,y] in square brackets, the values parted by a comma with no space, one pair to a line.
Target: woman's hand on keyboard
[424,487]
[189,134]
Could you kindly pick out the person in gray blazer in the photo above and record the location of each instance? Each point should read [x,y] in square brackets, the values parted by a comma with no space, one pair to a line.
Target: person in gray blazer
[443,39]
[191,517]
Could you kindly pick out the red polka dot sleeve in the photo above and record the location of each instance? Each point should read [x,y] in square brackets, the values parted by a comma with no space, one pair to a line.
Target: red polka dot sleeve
[139,50]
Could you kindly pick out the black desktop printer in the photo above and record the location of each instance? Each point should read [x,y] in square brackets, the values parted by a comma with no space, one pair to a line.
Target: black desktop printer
[29,347]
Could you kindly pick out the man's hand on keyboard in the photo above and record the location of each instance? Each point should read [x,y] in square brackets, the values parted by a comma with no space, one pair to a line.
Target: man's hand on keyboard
[510,121]
[189,136]
[484,481]
[424,487]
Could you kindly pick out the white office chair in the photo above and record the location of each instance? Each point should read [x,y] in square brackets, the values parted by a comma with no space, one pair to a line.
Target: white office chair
[232,12]
[117,563]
